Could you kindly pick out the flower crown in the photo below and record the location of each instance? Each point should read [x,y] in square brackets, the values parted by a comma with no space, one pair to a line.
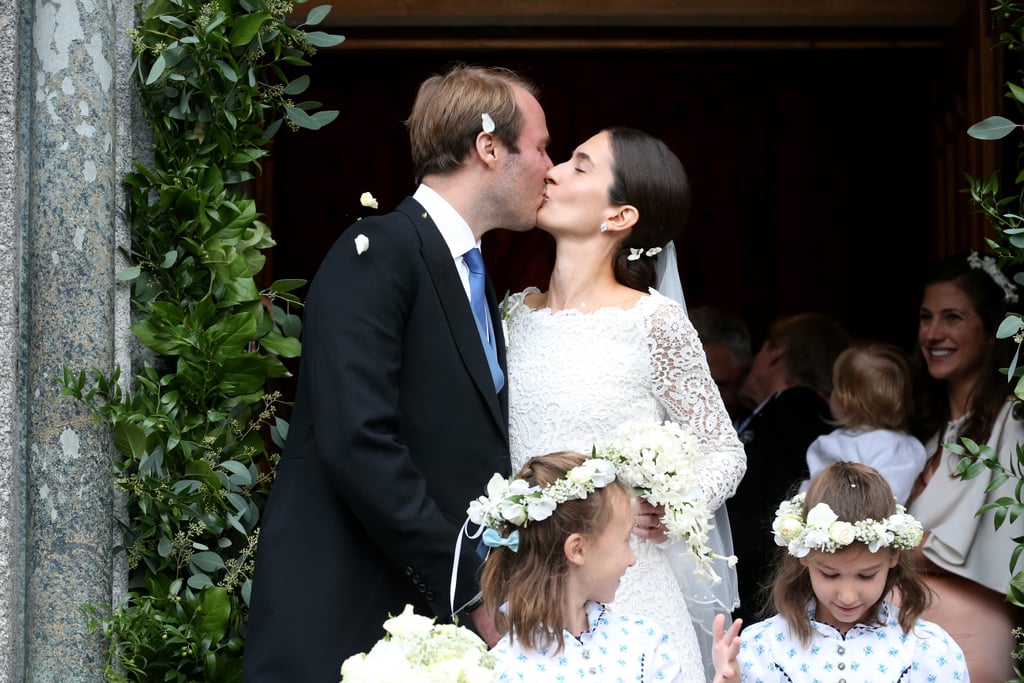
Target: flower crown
[988,264]
[515,502]
[825,532]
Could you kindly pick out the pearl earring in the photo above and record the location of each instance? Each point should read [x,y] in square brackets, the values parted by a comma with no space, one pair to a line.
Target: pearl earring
[604,227]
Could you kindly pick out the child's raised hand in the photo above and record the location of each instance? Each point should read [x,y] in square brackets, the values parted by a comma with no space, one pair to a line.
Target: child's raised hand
[725,649]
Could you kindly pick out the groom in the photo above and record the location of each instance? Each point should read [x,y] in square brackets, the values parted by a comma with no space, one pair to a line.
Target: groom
[399,418]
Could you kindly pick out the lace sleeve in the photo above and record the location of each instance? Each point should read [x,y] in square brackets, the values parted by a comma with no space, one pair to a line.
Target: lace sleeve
[683,385]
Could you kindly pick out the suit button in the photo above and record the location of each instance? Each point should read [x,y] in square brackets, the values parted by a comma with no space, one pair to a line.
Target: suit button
[429,596]
[421,588]
[415,578]
[408,571]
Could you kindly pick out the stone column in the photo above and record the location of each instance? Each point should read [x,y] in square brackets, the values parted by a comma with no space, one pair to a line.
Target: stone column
[77,126]
[12,192]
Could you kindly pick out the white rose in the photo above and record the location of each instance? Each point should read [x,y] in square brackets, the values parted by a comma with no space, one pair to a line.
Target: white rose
[842,533]
[788,527]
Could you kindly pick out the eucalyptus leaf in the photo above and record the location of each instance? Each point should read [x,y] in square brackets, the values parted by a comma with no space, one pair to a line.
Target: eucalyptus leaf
[1009,326]
[317,14]
[1017,92]
[287,285]
[992,128]
[321,39]
[207,561]
[129,273]
[297,86]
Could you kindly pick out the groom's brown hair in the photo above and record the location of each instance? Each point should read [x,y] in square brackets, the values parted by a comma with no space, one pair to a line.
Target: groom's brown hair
[448,114]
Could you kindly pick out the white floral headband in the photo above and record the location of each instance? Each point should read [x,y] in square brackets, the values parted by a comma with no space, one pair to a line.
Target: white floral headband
[825,532]
[515,502]
[989,265]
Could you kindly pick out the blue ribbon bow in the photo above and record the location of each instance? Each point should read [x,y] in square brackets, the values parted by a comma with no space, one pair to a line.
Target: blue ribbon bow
[492,539]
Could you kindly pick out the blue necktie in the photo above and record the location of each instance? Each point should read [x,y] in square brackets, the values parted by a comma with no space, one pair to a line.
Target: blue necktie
[478,301]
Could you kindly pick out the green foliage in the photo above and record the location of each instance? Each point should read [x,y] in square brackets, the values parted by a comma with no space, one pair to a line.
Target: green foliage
[196,423]
[1005,215]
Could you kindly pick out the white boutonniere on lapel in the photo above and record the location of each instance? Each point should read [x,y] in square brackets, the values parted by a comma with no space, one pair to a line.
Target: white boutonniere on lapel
[506,309]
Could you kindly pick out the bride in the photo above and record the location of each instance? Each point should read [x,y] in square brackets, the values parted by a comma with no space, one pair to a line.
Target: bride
[601,348]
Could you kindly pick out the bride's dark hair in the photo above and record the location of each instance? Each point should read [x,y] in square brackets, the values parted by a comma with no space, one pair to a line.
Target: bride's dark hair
[647,175]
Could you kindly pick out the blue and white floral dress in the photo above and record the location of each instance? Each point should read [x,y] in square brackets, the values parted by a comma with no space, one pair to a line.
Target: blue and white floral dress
[616,649]
[770,653]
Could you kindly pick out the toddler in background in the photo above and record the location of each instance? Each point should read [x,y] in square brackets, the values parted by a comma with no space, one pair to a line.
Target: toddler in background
[559,534]
[847,546]
[870,402]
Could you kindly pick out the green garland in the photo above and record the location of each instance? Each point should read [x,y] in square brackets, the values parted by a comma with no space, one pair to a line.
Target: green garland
[196,422]
[1006,215]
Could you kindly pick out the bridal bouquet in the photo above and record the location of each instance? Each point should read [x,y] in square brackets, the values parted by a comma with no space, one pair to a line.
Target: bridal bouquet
[662,462]
[416,650]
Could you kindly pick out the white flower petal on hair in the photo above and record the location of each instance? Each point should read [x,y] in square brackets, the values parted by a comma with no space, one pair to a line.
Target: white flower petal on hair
[487,122]
[368,200]
[362,244]
[821,515]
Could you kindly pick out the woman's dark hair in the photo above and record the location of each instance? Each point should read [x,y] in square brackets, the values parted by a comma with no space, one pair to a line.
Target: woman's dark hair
[931,402]
[647,175]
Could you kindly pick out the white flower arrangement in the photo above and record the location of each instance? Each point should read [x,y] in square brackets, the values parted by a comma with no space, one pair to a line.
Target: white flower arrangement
[514,501]
[989,265]
[825,532]
[416,650]
[662,462]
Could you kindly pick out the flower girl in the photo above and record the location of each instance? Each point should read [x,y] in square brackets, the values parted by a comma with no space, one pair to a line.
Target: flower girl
[843,542]
[559,537]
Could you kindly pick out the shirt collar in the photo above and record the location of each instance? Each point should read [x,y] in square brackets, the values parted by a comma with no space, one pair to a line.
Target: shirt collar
[453,227]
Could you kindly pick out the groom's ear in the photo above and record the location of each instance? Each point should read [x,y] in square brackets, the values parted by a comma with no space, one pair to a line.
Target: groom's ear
[624,218]
[486,148]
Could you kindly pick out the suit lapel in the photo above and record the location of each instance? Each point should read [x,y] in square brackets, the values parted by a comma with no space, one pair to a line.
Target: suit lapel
[458,314]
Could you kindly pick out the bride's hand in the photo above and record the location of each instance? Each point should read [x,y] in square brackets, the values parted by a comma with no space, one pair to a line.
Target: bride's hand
[647,522]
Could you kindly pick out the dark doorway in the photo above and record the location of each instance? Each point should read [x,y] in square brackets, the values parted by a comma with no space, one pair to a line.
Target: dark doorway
[811,167]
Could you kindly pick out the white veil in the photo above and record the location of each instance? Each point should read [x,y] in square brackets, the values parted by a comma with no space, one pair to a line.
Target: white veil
[703,600]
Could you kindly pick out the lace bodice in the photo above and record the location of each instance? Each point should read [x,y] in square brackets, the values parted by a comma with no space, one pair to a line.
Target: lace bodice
[574,377]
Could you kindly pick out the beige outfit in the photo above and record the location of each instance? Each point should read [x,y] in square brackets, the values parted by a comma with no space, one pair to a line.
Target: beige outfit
[968,601]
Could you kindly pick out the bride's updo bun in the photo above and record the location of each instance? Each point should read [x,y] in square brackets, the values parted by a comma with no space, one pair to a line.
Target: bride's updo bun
[648,176]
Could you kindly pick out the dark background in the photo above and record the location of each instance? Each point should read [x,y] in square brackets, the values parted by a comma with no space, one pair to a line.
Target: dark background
[811,168]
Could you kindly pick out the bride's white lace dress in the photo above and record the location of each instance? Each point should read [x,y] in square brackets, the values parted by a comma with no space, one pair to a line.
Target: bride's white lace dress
[574,377]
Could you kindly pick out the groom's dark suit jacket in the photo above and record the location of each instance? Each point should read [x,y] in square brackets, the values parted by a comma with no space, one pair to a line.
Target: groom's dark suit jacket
[396,428]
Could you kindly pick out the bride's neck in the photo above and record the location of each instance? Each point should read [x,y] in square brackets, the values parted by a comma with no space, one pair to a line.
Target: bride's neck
[583,281]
